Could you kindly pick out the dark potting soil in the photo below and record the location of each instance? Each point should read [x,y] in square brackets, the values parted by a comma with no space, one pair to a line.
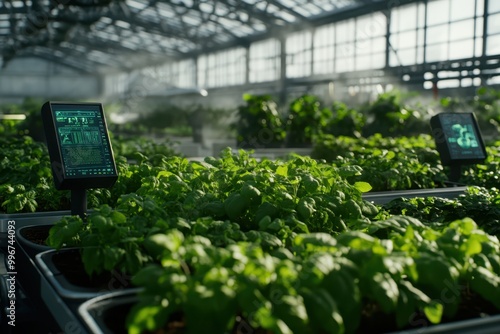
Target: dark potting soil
[69,263]
[36,234]
[113,318]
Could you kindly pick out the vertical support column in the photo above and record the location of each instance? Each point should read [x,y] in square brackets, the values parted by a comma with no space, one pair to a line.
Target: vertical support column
[247,64]
[388,17]
[486,15]
[282,85]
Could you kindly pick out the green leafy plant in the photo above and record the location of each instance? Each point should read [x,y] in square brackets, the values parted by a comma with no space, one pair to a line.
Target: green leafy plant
[259,123]
[306,119]
[389,116]
[344,121]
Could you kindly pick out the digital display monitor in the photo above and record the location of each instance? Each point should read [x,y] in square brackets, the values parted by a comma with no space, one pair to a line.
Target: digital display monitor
[458,138]
[79,145]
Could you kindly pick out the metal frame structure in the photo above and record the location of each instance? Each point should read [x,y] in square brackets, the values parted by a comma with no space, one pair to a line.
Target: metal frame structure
[90,35]
[122,36]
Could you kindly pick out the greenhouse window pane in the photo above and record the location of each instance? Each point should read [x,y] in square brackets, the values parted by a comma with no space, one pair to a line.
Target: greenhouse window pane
[379,44]
[394,40]
[466,82]
[493,45]
[461,49]
[394,21]
[493,6]
[462,30]
[479,27]
[344,31]
[264,60]
[420,37]
[421,15]
[438,12]
[479,7]
[438,52]
[363,47]
[363,63]
[202,68]
[324,36]
[370,26]
[323,65]
[420,56]
[298,50]
[462,9]
[344,65]
[407,57]
[437,34]
[454,83]
[378,60]
[393,60]
[479,47]
[345,50]
[493,24]
[407,17]
[408,39]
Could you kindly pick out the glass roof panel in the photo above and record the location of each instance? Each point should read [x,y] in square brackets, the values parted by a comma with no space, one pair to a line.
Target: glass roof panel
[155,26]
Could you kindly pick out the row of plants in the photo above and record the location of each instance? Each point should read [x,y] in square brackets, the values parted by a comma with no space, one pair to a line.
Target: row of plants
[261,122]
[233,244]
[387,163]
[401,163]
[26,181]
[217,232]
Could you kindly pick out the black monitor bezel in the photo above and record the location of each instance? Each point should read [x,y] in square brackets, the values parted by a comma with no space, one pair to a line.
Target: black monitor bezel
[441,140]
[61,181]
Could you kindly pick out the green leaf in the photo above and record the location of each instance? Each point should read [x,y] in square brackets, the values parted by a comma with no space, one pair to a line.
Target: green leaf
[65,232]
[112,256]
[385,291]
[471,247]
[436,273]
[486,284]
[322,311]
[157,244]
[291,310]
[434,312]
[363,186]
[390,155]
[146,316]
[344,289]
[282,170]
[149,276]
[406,307]
[118,217]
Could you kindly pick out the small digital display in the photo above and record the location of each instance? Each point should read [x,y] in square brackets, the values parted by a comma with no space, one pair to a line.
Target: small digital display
[458,138]
[79,145]
[83,139]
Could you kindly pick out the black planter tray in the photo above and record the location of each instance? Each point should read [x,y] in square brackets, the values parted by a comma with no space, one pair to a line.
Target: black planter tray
[383,197]
[486,325]
[99,313]
[34,218]
[64,270]
[31,238]
[26,250]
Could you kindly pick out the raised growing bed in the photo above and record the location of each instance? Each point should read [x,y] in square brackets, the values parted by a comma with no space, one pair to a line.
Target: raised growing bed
[65,271]
[106,314]
[171,188]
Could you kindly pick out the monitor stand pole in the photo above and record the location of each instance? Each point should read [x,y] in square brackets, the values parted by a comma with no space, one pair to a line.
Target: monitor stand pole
[79,203]
[455,173]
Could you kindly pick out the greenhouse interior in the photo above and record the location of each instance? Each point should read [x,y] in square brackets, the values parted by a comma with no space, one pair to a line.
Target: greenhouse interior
[250,167]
